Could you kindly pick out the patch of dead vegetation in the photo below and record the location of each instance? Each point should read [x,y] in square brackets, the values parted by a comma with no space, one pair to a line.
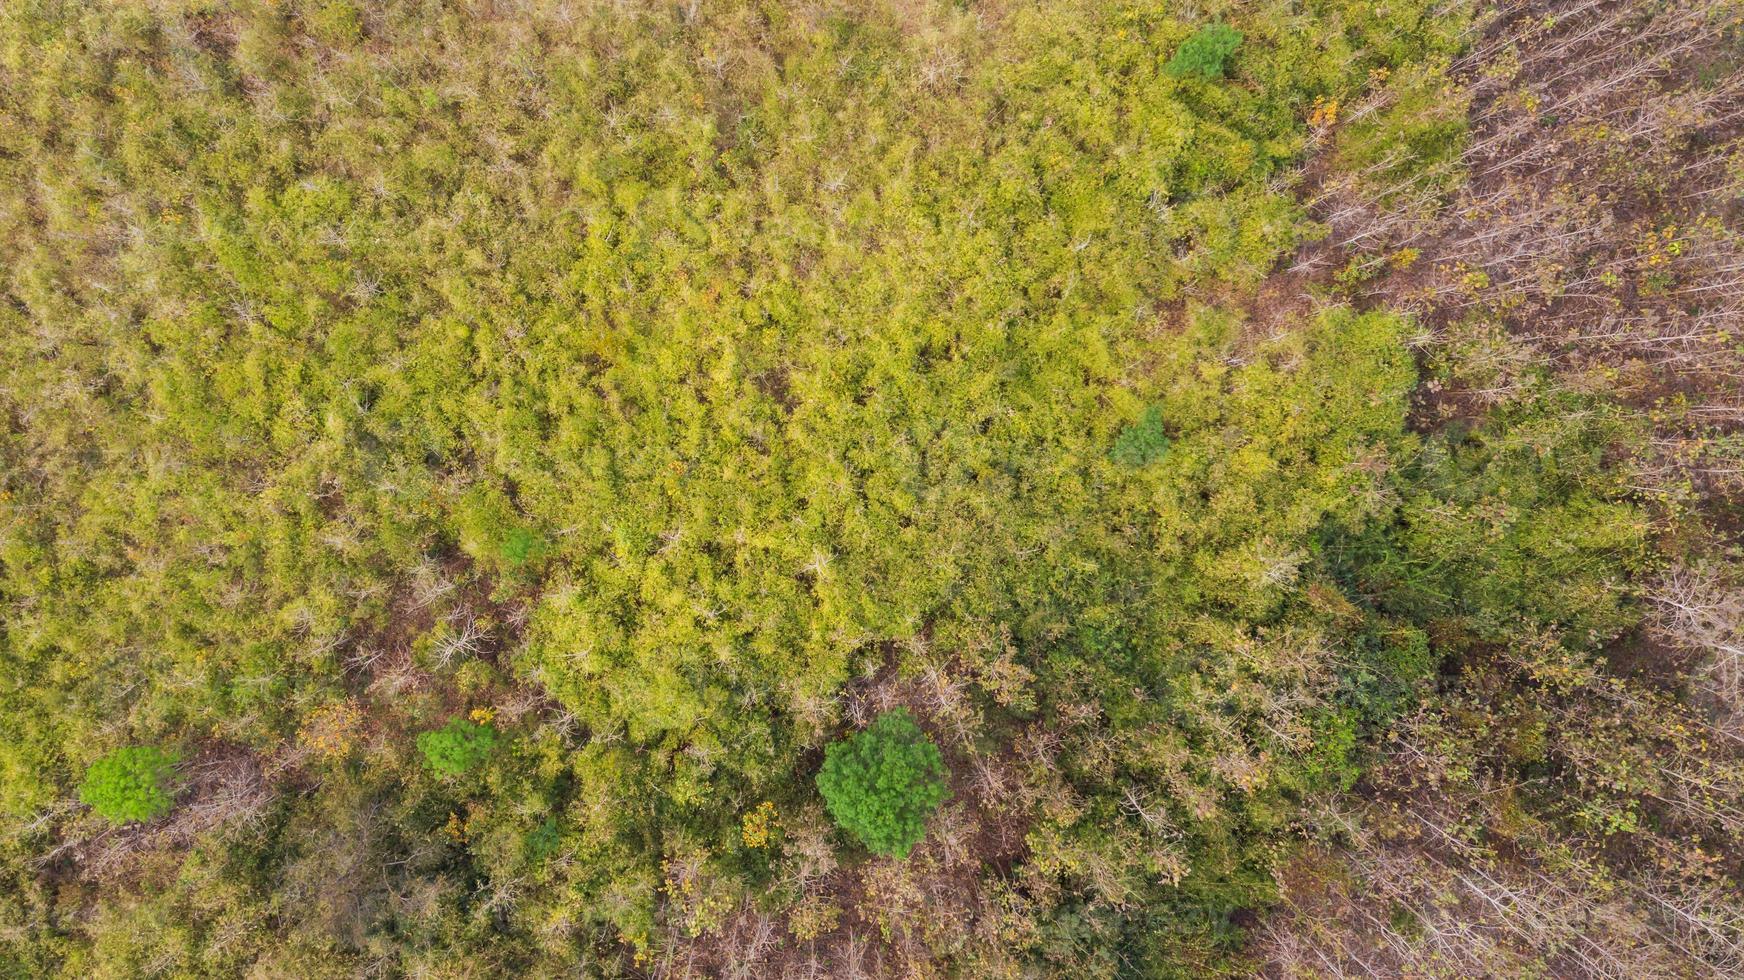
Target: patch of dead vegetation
[1592,246]
[1595,231]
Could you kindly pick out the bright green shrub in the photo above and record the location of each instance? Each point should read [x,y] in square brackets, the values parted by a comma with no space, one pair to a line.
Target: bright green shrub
[129,784]
[1203,54]
[881,784]
[457,747]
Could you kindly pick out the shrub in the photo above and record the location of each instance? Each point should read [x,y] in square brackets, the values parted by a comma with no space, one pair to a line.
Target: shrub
[458,746]
[332,732]
[1144,441]
[129,784]
[881,784]
[1204,53]
[521,546]
[491,531]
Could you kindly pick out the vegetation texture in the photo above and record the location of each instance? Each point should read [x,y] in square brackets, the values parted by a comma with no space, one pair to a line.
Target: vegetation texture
[1094,489]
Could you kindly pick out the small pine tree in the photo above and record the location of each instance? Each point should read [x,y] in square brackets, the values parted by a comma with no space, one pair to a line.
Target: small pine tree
[1203,55]
[1144,441]
[881,784]
[458,746]
[129,784]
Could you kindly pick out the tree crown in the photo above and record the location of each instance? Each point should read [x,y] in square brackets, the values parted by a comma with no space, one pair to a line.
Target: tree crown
[129,784]
[458,746]
[882,783]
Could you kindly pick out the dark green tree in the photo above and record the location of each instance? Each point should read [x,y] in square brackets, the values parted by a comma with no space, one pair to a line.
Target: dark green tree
[881,784]
[134,783]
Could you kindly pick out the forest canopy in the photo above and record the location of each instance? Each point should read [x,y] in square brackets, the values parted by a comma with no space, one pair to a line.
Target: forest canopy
[864,489]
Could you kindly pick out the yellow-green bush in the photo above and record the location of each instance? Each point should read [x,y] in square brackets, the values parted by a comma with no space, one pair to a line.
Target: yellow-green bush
[701,362]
